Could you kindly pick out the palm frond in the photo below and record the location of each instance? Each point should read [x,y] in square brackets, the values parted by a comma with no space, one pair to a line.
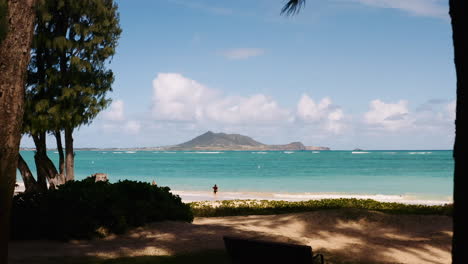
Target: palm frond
[292,7]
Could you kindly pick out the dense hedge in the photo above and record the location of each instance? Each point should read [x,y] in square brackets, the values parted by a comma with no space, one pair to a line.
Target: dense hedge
[83,209]
[264,207]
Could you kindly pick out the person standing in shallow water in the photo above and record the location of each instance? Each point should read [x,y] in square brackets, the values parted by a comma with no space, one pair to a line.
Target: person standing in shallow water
[215,189]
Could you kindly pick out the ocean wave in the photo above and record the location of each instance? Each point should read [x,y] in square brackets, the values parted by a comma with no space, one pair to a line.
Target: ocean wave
[288,152]
[359,152]
[420,153]
[117,152]
[315,151]
[170,152]
[130,152]
[260,152]
[208,152]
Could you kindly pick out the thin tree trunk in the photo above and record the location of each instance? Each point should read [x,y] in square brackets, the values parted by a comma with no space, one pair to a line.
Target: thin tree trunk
[60,178]
[69,155]
[459,15]
[58,137]
[14,59]
[41,151]
[30,183]
[45,167]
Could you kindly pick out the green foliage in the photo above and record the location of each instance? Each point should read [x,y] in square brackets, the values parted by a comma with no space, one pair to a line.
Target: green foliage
[84,209]
[3,19]
[264,207]
[67,76]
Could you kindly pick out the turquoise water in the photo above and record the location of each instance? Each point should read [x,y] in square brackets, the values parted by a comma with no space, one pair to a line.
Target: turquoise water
[423,174]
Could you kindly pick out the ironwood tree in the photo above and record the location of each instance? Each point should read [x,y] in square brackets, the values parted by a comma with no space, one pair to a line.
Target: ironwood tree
[67,77]
[17,20]
[459,16]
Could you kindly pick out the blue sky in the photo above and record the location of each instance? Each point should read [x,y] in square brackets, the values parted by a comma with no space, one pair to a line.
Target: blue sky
[373,74]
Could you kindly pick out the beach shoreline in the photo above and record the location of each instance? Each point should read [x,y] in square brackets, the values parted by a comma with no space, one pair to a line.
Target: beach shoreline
[188,196]
[198,196]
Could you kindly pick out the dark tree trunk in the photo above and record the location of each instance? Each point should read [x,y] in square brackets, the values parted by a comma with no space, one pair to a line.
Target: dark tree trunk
[30,183]
[45,167]
[69,155]
[459,15]
[39,158]
[58,137]
[60,178]
[14,59]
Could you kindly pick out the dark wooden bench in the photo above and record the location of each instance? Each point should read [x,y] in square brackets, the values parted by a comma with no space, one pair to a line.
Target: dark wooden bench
[246,251]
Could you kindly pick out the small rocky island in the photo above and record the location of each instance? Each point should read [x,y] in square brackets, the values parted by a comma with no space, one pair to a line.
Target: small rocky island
[222,141]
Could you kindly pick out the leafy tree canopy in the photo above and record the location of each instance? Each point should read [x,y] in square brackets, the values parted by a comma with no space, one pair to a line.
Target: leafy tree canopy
[67,75]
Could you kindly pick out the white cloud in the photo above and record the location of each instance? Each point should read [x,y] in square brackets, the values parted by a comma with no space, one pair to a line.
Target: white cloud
[242,53]
[389,116]
[115,111]
[177,98]
[330,117]
[432,8]
[132,127]
[254,109]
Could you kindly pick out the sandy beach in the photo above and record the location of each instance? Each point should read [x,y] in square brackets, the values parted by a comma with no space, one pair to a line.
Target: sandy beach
[197,196]
[345,234]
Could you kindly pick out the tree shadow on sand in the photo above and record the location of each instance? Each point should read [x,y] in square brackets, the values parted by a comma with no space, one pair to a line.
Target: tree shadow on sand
[345,235]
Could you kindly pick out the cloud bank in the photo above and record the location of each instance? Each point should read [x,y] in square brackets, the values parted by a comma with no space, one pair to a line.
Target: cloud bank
[177,98]
[181,108]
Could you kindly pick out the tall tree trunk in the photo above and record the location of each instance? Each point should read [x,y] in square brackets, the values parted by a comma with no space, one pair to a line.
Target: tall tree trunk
[14,59]
[60,178]
[459,15]
[58,138]
[41,151]
[69,155]
[45,167]
[30,183]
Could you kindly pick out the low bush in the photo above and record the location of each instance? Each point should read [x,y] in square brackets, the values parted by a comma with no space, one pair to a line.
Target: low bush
[84,209]
[263,207]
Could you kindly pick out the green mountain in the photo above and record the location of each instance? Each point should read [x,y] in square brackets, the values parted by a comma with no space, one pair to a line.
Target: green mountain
[223,141]
[210,139]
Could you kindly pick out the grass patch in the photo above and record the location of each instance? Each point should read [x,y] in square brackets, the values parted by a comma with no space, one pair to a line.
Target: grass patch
[208,257]
[267,207]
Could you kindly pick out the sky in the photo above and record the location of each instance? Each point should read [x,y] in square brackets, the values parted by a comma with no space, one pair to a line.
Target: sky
[369,74]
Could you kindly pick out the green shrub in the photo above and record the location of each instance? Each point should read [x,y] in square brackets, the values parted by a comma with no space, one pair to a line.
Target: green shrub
[78,209]
[264,207]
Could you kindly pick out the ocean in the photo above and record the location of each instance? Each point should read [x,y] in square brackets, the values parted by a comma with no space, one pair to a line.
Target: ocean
[410,176]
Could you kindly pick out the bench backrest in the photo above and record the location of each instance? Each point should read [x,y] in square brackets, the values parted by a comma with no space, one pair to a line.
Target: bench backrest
[247,251]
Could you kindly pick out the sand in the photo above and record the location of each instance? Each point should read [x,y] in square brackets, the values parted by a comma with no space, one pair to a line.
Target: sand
[344,234]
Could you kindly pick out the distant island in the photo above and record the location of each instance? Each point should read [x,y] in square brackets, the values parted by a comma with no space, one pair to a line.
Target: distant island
[223,141]
[214,142]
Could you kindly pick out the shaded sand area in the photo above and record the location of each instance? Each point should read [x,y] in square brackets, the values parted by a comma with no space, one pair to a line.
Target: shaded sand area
[343,235]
